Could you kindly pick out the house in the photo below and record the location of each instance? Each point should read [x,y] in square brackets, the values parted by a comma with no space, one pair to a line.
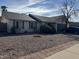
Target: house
[74,24]
[75,20]
[22,23]
[56,24]
[19,23]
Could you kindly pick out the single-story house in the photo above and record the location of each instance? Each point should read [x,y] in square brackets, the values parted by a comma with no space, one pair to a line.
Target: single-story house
[22,23]
[19,23]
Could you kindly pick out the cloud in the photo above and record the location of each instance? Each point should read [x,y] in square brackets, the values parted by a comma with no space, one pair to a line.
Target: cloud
[37,10]
[21,6]
[42,7]
[31,3]
[38,7]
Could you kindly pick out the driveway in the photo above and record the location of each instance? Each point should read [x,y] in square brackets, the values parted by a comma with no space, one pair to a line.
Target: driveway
[70,53]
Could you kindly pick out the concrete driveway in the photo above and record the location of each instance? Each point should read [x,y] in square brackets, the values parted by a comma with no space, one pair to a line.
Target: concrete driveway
[70,53]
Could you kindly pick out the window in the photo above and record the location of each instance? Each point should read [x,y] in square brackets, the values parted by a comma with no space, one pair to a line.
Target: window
[17,24]
[35,24]
[13,23]
[30,25]
[23,24]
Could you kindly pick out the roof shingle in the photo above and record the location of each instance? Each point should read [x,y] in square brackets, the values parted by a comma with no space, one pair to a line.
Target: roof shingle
[56,19]
[17,16]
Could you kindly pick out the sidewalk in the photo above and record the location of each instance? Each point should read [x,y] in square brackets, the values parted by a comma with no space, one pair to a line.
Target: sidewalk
[70,53]
[51,51]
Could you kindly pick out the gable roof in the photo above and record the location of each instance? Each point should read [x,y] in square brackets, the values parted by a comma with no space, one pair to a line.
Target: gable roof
[56,19]
[16,16]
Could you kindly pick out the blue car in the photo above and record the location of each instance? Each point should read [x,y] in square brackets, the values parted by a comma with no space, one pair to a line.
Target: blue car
[73,30]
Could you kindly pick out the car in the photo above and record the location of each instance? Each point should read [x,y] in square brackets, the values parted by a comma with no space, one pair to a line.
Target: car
[73,30]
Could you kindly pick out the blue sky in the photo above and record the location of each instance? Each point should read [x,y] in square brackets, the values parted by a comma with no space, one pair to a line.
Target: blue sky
[38,7]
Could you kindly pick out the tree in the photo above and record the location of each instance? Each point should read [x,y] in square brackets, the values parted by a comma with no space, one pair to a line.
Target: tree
[3,8]
[68,9]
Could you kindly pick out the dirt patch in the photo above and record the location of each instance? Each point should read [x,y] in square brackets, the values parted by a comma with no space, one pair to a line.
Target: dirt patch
[12,47]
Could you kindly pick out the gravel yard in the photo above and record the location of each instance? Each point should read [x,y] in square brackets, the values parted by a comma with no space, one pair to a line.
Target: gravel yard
[12,47]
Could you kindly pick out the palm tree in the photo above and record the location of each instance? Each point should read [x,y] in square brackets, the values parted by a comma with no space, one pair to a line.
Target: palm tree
[4,8]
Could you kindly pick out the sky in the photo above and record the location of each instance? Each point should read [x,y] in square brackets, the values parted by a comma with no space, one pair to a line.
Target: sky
[37,7]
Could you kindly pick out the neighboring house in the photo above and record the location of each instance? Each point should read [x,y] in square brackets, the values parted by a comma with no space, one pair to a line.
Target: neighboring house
[74,24]
[21,23]
[74,20]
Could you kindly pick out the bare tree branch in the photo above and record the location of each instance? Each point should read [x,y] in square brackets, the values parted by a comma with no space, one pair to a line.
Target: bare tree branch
[68,9]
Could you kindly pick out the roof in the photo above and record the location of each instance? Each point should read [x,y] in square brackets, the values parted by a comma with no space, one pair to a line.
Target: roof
[17,16]
[56,19]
